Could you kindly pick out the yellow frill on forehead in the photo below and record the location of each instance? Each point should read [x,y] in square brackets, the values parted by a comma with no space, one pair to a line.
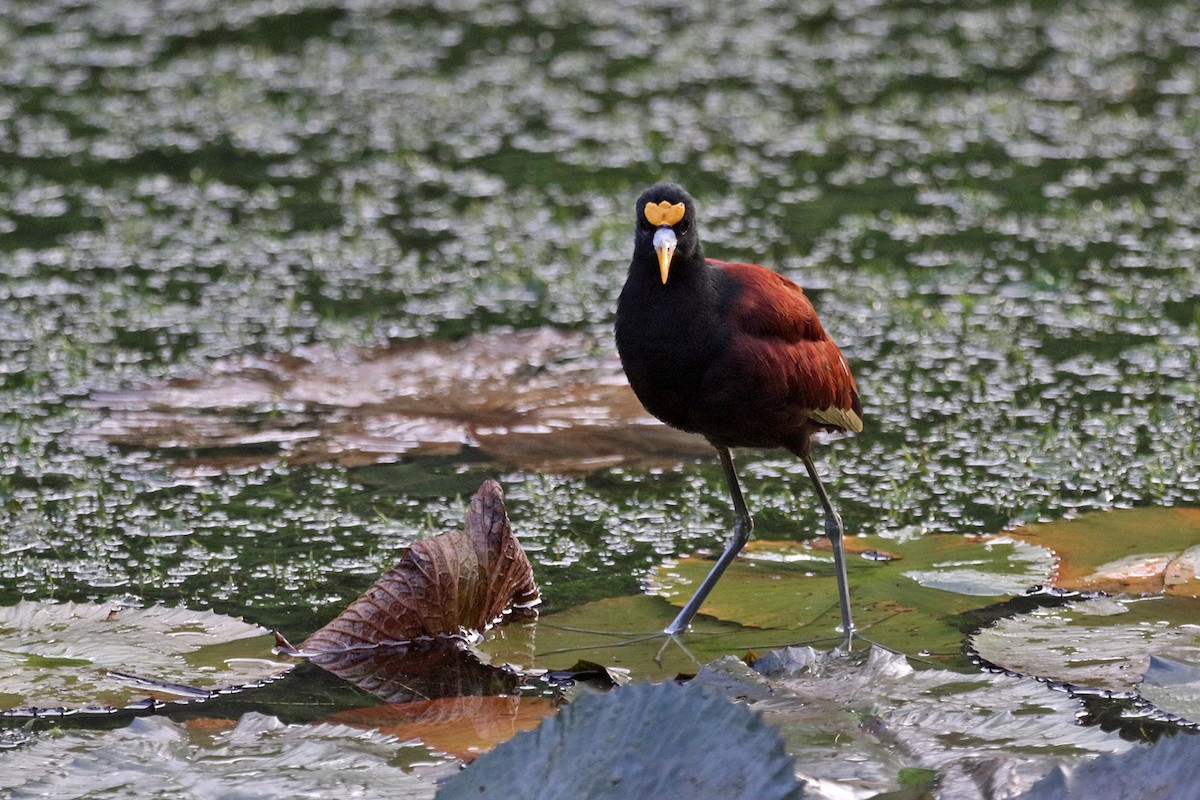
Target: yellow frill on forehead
[664,213]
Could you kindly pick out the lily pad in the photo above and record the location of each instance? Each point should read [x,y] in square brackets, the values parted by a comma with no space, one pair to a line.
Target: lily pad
[1173,687]
[1104,644]
[1168,769]
[100,659]
[865,724]
[622,633]
[637,741]
[907,601]
[259,758]
[1134,551]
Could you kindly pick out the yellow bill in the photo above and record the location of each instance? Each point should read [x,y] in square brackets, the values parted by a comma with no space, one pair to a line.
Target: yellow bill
[664,244]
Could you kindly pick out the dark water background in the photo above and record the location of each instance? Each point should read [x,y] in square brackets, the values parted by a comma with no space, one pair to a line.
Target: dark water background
[992,204]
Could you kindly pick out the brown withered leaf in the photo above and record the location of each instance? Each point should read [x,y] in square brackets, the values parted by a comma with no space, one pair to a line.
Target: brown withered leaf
[464,580]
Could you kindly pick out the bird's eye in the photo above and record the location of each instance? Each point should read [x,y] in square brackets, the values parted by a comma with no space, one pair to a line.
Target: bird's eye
[683,228]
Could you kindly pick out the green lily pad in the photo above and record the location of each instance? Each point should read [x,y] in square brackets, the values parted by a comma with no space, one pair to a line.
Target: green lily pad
[98,658]
[907,600]
[1136,551]
[624,634]
[1103,644]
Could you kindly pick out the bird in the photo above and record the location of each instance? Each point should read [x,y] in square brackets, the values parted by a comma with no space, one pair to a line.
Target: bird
[733,352]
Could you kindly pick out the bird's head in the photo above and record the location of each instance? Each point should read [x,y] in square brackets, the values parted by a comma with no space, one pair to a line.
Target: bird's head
[666,217]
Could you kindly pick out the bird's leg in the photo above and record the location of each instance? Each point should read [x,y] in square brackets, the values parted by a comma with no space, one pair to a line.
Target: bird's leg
[834,530]
[742,526]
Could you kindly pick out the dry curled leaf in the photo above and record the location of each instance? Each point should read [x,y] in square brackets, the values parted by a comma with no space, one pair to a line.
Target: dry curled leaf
[464,580]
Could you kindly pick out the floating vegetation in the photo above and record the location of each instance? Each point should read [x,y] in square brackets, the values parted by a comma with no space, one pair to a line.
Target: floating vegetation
[992,205]
[68,658]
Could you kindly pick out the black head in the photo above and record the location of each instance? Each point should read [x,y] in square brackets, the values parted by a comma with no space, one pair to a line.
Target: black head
[666,232]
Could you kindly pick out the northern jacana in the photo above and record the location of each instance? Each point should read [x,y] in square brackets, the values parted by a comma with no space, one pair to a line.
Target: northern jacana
[733,352]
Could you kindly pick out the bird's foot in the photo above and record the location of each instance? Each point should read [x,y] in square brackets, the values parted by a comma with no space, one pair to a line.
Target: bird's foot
[847,645]
[673,636]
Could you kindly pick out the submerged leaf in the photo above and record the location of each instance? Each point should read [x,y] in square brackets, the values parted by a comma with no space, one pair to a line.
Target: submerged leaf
[100,658]
[447,584]
[537,399]
[637,741]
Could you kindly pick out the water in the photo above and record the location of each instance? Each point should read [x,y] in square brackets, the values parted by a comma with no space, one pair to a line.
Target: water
[992,206]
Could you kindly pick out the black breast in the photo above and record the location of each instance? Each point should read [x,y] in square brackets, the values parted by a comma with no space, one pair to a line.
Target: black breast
[669,337]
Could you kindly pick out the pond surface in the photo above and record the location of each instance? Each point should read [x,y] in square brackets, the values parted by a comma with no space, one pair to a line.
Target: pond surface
[992,204]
